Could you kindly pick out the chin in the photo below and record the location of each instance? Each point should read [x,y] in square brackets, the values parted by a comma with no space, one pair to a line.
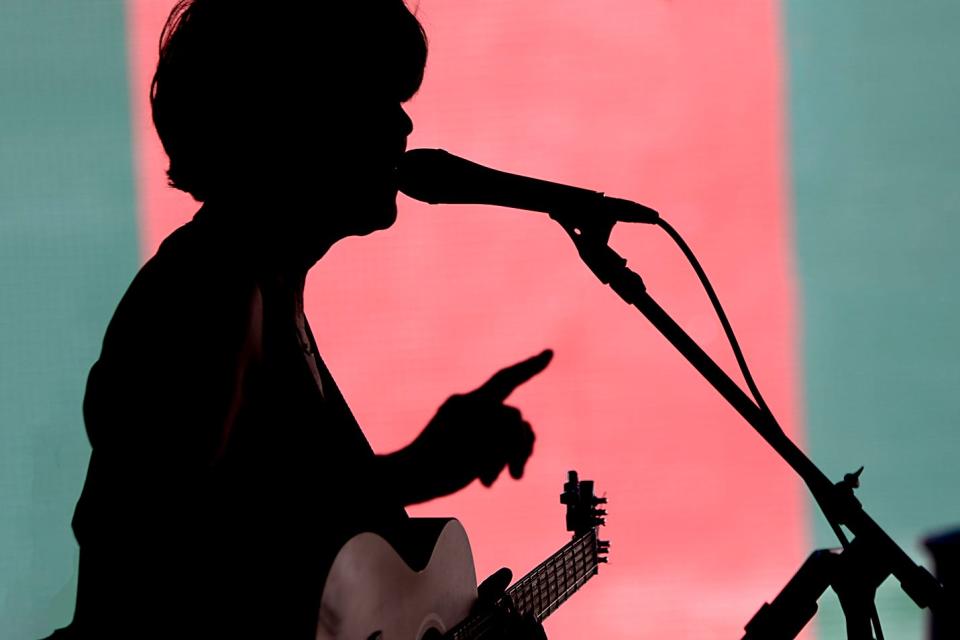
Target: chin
[375,218]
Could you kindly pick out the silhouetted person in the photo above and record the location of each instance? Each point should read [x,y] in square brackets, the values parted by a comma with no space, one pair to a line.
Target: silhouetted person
[226,467]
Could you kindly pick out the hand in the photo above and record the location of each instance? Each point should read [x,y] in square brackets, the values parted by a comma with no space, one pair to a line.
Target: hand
[511,625]
[475,435]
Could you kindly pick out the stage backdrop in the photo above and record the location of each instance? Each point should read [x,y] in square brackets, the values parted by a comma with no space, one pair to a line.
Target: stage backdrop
[806,150]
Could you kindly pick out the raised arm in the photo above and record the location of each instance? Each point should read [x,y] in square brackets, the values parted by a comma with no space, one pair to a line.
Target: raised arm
[473,436]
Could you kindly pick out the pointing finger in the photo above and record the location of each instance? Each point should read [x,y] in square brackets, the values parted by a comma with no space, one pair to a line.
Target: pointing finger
[506,380]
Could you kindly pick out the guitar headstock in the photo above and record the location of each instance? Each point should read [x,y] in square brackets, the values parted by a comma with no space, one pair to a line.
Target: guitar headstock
[583,514]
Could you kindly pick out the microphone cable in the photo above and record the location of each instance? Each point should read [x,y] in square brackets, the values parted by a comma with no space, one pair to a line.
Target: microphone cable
[721,314]
[745,371]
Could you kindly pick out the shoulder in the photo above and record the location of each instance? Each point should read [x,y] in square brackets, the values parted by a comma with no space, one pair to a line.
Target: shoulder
[197,288]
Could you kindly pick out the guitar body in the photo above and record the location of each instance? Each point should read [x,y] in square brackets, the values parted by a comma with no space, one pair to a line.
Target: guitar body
[374,589]
[422,584]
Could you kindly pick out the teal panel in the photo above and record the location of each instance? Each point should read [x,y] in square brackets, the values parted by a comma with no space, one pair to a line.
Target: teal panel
[68,247]
[874,95]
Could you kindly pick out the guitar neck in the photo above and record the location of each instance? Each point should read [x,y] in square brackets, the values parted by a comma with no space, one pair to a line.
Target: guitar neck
[549,585]
[543,590]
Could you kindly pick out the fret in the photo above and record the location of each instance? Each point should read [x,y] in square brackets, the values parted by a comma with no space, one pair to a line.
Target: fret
[552,591]
[553,606]
[552,582]
[571,568]
[539,585]
[549,585]
[564,582]
[577,563]
[568,563]
[521,598]
[537,596]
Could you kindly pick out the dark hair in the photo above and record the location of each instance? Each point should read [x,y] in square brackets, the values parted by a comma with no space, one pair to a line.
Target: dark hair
[236,74]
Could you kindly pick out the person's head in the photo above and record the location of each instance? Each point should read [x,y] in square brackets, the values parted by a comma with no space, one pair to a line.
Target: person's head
[289,99]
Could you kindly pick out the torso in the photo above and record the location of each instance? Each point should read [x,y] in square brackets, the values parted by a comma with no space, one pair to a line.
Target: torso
[295,478]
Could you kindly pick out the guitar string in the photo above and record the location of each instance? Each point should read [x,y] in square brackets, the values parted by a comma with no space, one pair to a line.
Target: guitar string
[566,594]
[485,624]
[524,589]
[532,590]
[552,559]
[570,546]
[545,580]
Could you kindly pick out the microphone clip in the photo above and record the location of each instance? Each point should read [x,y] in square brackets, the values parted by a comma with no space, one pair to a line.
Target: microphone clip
[591,237]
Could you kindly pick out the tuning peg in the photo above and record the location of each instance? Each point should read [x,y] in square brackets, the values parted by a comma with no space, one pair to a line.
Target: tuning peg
[571,489]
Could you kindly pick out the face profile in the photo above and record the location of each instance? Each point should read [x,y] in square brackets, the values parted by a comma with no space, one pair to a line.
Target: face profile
[361,166]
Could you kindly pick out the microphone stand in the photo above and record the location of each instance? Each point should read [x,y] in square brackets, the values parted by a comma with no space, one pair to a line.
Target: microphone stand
[872,556]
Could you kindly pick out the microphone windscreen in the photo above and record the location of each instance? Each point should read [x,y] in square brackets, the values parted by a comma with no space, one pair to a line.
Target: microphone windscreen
[432,175]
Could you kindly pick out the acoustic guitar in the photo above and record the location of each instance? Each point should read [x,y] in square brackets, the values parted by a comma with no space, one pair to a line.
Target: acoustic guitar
[424,588]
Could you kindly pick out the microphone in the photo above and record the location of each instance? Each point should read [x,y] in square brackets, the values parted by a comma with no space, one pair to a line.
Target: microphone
[438,177]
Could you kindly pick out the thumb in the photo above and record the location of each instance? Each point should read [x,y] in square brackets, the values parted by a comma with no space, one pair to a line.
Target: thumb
[493,587]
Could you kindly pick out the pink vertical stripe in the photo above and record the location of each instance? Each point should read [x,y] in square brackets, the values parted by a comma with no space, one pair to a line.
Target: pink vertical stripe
[675,104]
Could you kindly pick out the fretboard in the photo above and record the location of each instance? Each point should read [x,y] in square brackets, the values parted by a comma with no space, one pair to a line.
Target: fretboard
[543,590]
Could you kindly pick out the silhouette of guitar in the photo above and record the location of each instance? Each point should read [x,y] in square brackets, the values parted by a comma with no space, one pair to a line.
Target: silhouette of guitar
[427,588]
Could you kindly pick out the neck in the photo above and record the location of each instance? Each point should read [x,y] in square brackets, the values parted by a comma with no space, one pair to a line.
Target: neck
[273,232]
